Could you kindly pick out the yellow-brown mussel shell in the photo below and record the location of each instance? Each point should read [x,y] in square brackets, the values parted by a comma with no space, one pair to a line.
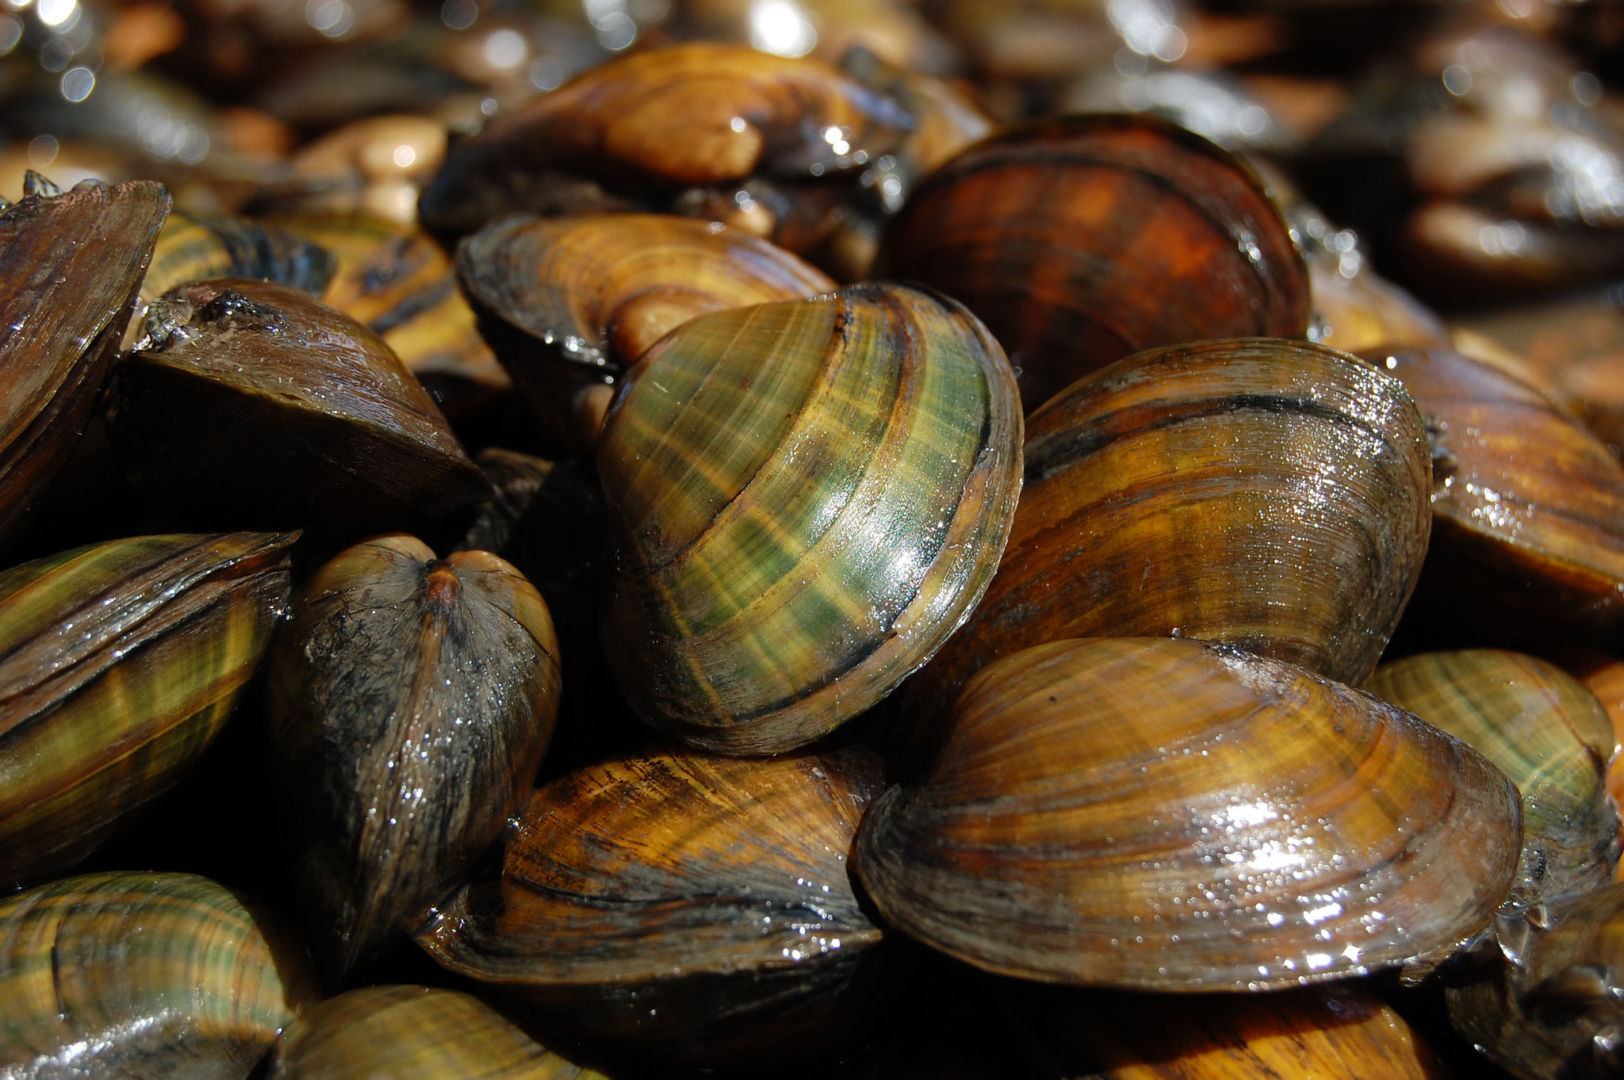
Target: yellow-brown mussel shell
[1176,815]
[1270,494]
[143,976]
[1527,503]
[570,303]
[649,123]
[1546,731]
[806,498]
[119,663]
[696,903]
[413,1033]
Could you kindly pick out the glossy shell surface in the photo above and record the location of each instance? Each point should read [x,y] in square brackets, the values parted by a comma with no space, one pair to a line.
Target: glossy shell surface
[1270,494]
[807,498]
[1082,239]
[1176,815]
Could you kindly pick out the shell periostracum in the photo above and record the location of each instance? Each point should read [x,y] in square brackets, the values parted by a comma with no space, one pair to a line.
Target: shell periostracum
[72,265]
[570,303]
[679,900]
[413,1033]
[1081,239]
[143,976]
[807,497]
[1270,494]
[1176,815]
[1542,728]
[410,700]
[119,662]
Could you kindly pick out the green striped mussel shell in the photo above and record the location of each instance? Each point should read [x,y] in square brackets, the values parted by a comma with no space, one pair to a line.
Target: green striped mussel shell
[196,246]
[143,975]
[807,498]
[1546,731]
[413,1033]
[119,663]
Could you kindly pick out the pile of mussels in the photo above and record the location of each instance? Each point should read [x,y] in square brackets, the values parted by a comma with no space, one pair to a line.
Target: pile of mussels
[791,537]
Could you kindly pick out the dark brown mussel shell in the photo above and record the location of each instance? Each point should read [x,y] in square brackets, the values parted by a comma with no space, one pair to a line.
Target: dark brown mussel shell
[1081,239]
[805,498]
[652,123]
[1542,728]
[1527,504]
[1334,1031]
[1270,494]
[72,266]
[1176,815]
[413,1033]
[696,904]
[410,701]
[287,412]
[570,303]
[119,663]
[1544,999]
[143,976]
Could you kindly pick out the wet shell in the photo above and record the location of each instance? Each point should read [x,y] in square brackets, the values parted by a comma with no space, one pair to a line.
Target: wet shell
[195,246]
[119,662]
[413,1033]
[1528,505]
[72,265]
[288,412]
[1270,494]
[1082,239]
[1176,815]
[570,303]
[700,903]
[1543,999]
[395,279]
[1340,1030]
[696,114]
[1543,729]
[410,701]
[143,977]
[806,498]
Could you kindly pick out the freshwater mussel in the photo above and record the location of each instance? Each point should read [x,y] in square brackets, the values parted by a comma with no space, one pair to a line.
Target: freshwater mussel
[806,498]
[410,700]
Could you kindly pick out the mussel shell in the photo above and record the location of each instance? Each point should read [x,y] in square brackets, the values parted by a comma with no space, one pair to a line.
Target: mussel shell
[143,976]
[1528,505]
[1334,1030]
[697,903]
[289,413]
[194,246]
[569,303]
[410,701]
[1543,1000]
[1542,728]
[412,1033]
[806,498]
[1270,494]
[394,279]
[1082,239]
[694,114]
[72,266]
[119,662]
[1176,815]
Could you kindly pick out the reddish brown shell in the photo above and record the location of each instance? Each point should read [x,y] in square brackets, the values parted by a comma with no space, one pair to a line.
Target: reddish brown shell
[1081,239]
